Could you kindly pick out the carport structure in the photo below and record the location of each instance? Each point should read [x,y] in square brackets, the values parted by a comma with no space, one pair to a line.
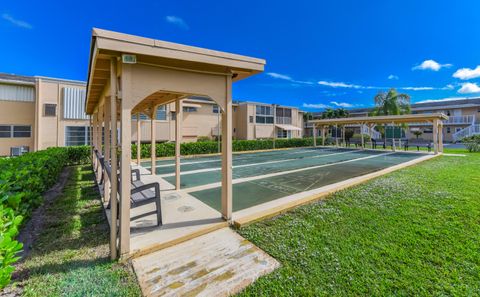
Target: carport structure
[129,75]
[436,119]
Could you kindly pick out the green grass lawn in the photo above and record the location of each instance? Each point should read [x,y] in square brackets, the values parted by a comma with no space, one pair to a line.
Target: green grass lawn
[71,255]
[412,232]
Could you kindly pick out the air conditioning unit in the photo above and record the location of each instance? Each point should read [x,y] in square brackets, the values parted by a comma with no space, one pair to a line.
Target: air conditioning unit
[18,150]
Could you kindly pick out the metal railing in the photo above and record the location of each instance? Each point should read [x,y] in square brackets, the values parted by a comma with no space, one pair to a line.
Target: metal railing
[284,120]
[452,120]
[469,131]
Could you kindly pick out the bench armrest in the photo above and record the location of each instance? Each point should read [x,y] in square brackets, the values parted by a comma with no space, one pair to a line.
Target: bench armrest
[136,173]
[154,186]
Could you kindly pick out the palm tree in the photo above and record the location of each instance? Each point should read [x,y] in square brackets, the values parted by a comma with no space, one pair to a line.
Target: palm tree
[391,103]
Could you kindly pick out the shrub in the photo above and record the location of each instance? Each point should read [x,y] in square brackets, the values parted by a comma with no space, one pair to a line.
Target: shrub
[203,138]
[167,149]
[472,143]
[22,181]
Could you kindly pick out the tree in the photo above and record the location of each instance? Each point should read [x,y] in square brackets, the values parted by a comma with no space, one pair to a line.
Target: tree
[417,133]
[391,103]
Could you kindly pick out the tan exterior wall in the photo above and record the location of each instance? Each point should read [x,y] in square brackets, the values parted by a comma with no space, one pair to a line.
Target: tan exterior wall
[16,113]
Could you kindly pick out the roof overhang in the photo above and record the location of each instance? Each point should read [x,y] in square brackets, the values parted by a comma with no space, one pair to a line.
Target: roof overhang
[396,119]
[107,44]
[288,127]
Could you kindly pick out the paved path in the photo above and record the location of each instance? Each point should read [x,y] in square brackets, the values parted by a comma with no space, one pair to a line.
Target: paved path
[220,263]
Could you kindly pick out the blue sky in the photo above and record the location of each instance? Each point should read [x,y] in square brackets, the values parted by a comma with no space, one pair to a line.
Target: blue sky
[319,53]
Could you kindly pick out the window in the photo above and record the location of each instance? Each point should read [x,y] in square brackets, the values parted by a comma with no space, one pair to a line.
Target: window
[264,114]
[173,115]
[49,110]
[75,135]
[284,115]
[162,113]
[5,131]
[284,133]
[215,109]
[143,117]
[251,119]
[458,129]
[189,109]
[448,130]
[22,131]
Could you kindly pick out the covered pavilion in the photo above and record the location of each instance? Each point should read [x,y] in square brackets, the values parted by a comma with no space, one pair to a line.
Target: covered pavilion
[436,119]
[129,75]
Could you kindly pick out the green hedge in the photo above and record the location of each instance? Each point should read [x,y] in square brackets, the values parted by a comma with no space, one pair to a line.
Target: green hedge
[472,143]
[22,181]
[167,149]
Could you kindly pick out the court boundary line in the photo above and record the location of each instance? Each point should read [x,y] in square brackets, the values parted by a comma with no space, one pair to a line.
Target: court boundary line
[252,178]
[254,164]
[281,205]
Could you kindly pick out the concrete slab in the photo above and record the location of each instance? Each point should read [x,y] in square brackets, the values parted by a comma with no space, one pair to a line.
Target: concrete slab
[220,263]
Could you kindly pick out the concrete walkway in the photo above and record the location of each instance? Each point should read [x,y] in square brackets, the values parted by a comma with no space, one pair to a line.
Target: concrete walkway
[220,263]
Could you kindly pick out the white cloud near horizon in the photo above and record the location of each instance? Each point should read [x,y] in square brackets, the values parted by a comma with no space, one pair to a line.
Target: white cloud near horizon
[469,88]
[431,65]
[392,77]
[467,73]
[178,21]
[315,105]
[340,85]
[445,99]
[16,22]
[354,86]
[342,104]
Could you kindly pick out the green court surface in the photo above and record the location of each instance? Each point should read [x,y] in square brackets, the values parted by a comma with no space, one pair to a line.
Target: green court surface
[275,174]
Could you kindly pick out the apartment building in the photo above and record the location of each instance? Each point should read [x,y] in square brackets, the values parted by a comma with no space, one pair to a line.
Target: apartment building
[464,118]
[40,112]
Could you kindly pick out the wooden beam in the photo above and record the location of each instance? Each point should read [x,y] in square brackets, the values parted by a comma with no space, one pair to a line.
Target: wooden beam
[178,141]
[126,156]
[153,141]
[113,156]
[227,152]
[139,139]
[107,123]
[435,136]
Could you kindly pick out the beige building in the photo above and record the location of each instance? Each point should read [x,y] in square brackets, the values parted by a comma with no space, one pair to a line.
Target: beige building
[40,112]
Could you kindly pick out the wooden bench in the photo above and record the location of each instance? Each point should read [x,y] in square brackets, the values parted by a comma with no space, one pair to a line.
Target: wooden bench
[418,143]
[356,141]
[140,193]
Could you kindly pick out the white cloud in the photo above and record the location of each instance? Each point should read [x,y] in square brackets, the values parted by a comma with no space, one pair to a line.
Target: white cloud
[469,88]
[342,104]
[467,73]
[16,22]
[279,76]
[177,21]
[445,99]
[393,77]
[431,65]
[340,85]
[287,78]
[417,88]
[315,106]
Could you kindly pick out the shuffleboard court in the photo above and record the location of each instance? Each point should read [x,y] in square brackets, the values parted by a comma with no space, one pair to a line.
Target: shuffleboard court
[261,177]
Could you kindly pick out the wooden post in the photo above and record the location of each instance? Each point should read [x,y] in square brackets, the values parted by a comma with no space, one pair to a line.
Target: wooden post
[153,141]
[336,135]
[94,141]
[323,135]
[227,152]
[139,139]
[178,140]
[393,137]
[107,123]
[440,136]
[126,149]
[113,157]
[361,135]
[435,136]
[314,134]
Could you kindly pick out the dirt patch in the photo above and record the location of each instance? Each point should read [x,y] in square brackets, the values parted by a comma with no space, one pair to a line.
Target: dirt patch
[34,226]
